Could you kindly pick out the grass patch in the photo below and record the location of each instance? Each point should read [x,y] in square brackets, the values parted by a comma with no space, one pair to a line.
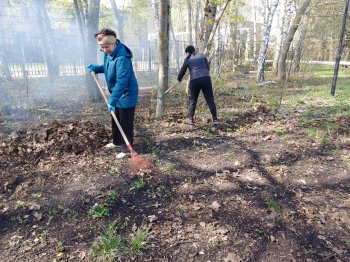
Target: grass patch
[109,246]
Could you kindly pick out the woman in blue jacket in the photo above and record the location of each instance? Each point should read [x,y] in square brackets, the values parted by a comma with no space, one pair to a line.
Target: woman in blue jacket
[121,83]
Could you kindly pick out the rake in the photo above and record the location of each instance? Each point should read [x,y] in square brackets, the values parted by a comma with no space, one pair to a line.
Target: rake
[138,161]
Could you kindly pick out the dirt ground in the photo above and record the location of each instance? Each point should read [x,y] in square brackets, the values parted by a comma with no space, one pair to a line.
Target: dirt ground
[257,188]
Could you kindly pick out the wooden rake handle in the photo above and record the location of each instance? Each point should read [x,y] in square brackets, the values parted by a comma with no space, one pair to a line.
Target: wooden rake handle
[112,113]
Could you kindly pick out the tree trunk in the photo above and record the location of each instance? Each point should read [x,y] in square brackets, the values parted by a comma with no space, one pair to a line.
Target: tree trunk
[286,17]
[197,25]
[155,7]
[163,56]
[208,24]
[91,54]
[44,39]
[300,44]
[217,54]
[80,21]
[254,35]
[4,65]
[212,29]
[189,21]
[265,42]
[289,38]
[120,20]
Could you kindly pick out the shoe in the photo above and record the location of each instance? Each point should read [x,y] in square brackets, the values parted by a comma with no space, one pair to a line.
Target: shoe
[190,122]
[216,123]
[111,145]
[121,155]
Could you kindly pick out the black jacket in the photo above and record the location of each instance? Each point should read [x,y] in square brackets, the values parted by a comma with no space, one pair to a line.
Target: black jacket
[198,66]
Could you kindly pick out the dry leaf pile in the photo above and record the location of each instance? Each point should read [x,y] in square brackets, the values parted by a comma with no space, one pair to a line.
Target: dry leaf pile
[56,138]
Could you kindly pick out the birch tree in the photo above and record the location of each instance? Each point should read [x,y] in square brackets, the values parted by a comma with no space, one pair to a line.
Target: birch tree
[289,39]
[163,56]
[285,22]
[300,43]
[265,41]
[155,8]
[208,24]
[189,21]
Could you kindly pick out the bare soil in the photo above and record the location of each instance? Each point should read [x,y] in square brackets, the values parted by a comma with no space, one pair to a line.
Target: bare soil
[257,188]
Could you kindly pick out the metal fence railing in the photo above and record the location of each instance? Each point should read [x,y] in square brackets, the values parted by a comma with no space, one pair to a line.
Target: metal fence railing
[29,59]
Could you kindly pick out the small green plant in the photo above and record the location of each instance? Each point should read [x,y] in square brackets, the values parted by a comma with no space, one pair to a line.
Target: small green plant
[171,168]
[139,184]
[280,130]
[99,211]
[309,251]
[215,243]
[59,246]
[114,170]
[109,246]
[111,197]
[73,214]
[139,241]
[19,220]
[52,213]
[43,237]
[279,210]
[22,205]
[188,181]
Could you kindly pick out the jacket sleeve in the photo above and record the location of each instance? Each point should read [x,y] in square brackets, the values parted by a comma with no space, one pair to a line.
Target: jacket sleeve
[124,70]
[182,71]
[99,69]
[207,63]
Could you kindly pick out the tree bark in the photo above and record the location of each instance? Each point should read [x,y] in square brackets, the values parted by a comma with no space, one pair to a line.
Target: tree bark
[212,30]
[286,18]
[265,42]
[45,35]
[208,24]
[189,21]
[91,54]
[300,44]
[155,7]
[289,38]
[163,56]
[120,20]
[254,35]
[80,22]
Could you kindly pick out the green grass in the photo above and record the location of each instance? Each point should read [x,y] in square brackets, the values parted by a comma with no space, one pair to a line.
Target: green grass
[139,241]
[99,211]
[109,246]
[138,185]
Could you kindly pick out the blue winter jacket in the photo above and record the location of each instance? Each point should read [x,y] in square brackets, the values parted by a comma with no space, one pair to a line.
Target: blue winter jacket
[120,77]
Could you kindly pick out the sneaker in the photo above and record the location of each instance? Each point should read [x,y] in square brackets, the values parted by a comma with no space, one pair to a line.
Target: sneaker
[216,123]
[121,155]
[190,122]
[111,145]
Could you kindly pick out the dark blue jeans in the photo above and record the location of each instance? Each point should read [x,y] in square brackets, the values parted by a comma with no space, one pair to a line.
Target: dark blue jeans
[204,84]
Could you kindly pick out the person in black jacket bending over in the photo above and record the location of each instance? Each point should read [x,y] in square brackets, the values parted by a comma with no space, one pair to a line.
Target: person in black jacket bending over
[198,66]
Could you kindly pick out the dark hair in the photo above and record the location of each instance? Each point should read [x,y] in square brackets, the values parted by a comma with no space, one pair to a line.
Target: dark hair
[190,50]
[106,31]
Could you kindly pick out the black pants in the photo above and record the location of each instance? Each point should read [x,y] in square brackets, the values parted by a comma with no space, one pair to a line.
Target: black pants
[204,84]
[125,117]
